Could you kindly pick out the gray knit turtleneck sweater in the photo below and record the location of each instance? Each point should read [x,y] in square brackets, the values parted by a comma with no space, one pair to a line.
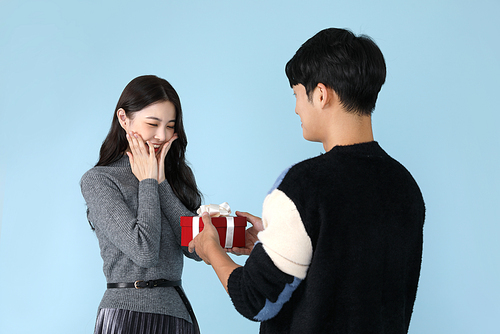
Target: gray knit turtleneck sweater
[137,225]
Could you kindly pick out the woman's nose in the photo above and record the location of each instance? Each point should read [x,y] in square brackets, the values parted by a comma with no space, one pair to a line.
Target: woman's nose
[160,135]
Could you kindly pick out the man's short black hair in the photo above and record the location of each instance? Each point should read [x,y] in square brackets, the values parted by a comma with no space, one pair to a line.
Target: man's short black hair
[353,66]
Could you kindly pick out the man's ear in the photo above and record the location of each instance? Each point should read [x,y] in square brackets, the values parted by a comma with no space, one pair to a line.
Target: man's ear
[324,95]
[122,118]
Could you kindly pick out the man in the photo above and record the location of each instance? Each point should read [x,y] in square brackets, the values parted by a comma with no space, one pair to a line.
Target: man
[339,246]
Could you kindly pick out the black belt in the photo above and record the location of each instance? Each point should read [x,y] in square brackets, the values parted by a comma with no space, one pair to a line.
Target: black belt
[159,283]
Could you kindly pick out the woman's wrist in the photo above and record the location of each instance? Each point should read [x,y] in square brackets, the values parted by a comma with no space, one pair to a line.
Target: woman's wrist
[147,179]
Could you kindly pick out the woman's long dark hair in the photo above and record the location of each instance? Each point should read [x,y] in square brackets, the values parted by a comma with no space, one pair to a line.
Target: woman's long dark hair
[137,95]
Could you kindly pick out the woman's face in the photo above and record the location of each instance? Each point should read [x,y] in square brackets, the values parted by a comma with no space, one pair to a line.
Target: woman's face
[155,123]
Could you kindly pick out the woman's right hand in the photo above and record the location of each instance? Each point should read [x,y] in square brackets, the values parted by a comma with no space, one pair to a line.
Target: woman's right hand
[143,163]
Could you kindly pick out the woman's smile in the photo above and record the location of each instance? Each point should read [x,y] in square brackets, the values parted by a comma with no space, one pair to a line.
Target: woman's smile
[156,147]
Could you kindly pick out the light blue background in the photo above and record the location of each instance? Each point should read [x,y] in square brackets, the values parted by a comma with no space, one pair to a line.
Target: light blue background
[63,65]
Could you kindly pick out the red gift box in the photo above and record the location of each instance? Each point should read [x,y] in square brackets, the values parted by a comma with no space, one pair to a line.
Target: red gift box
[221,224]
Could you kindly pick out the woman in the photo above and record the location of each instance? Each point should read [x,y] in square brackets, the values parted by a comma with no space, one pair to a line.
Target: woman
[135,195]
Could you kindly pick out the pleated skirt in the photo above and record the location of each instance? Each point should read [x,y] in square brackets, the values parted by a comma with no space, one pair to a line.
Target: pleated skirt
[117,321]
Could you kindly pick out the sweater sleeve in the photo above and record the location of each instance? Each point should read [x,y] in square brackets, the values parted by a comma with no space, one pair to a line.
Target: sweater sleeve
[136,234]
[284,237]
[278,263]
[259,289]
[172,208]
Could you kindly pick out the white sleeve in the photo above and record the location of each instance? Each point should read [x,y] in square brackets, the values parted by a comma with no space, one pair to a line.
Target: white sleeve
[284,237]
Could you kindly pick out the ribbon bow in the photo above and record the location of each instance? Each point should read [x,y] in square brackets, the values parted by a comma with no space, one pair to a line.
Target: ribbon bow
[215,210]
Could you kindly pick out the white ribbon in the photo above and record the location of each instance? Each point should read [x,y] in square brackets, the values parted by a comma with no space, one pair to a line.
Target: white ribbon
[215,210]
[196,226]
[229,232]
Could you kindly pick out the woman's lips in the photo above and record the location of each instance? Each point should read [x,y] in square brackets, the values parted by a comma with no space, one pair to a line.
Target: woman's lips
[157,147]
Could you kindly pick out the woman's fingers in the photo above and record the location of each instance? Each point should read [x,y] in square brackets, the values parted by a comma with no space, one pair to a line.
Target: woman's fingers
[142,157]
[140,144]
[131,158]
[151,151]
[161,158]
[137,145]
[166,147]
[133,144]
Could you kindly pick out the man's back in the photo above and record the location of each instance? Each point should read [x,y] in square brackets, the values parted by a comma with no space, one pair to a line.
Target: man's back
[364,214]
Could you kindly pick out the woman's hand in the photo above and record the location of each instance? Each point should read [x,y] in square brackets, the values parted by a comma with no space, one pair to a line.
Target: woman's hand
[161,158]
[143,163]
[250,234]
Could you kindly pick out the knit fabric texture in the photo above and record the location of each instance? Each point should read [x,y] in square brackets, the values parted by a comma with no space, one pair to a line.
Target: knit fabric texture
[363,214]
[138,228]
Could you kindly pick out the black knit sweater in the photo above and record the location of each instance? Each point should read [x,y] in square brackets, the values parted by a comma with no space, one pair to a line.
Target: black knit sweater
[364,215]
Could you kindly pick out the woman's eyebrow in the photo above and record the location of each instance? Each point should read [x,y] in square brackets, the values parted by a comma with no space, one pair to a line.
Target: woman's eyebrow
[159,119]
[154,118]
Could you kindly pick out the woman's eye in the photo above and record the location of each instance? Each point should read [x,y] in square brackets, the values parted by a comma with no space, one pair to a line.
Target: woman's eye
[170,127]
[152,124]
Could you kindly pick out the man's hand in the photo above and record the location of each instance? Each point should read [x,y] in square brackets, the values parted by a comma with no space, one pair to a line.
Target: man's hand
[207,241]
[207,246]
[250,234]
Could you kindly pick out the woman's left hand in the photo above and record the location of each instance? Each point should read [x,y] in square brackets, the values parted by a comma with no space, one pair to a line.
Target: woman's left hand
[161,158]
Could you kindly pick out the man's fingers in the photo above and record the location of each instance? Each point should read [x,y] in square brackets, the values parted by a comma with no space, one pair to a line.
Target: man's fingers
[238,251]
[250,218]
[191,246]
[243,214]
[207,220]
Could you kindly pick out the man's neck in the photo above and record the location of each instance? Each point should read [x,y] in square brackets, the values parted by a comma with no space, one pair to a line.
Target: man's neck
[348,129]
